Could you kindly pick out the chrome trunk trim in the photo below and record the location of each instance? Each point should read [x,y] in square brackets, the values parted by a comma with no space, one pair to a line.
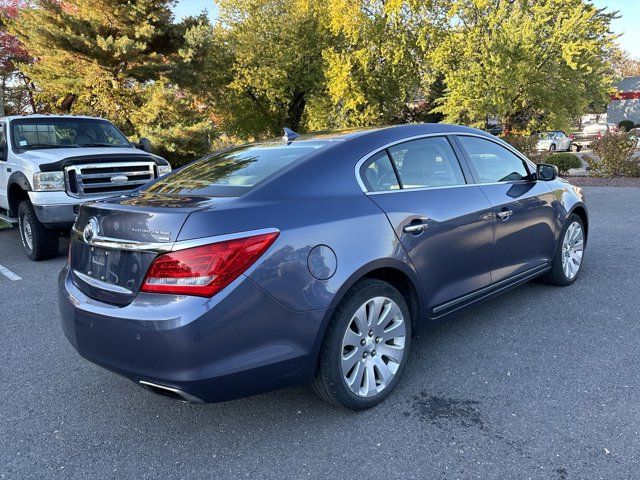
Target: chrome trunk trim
[163,247]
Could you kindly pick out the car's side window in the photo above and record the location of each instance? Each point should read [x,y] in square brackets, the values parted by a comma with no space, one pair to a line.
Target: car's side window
[378,175]
[427,162]
[493,162]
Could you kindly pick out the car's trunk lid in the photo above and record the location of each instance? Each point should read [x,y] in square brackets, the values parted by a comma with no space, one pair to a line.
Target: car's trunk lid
[115,241]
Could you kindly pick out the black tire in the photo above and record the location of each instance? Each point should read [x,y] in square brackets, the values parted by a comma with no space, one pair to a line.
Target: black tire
[556,275]
[552,147]
[44,242]
[329,383]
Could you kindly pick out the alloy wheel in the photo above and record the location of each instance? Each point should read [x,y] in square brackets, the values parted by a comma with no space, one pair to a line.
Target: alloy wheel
[572,250]
[373,346]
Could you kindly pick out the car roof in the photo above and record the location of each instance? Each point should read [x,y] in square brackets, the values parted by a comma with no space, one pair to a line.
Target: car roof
[47,116]
[336,136]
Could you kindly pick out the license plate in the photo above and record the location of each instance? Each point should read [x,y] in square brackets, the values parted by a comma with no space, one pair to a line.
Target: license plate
[100,263]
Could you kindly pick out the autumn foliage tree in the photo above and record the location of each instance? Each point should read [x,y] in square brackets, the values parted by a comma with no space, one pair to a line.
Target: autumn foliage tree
[533,64]
[315,64]
[15,84]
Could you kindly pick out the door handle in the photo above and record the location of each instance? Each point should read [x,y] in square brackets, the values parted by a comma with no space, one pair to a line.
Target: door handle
[505,214]
[417,226]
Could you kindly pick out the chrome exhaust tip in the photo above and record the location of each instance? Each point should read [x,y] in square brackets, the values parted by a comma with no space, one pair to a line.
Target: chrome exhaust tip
[169,392]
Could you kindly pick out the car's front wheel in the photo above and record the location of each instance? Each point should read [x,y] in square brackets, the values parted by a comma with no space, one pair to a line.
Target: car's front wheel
[567,261]
[38,241]
[365,347]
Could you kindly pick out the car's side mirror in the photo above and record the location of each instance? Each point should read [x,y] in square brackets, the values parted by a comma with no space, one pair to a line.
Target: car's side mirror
[144,144]
[546,172]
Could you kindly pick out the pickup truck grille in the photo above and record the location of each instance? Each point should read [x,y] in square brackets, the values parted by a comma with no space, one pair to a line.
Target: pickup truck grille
[107,178]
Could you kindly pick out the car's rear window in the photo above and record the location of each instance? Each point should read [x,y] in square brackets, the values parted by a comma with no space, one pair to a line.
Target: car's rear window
[232,173]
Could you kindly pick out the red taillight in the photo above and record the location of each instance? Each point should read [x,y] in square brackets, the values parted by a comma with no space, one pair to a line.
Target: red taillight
[571,136]
[205,270]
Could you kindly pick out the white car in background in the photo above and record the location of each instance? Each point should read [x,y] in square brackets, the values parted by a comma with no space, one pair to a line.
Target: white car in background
[554,141]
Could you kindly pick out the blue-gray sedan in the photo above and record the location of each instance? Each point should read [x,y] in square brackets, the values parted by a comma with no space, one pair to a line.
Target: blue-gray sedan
[314,259]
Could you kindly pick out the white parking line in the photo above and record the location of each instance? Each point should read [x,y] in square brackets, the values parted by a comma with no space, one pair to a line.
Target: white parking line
[9,274]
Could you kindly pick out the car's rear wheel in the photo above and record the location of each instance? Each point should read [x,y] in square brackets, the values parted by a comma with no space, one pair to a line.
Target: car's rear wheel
[567,262]
[365,347]
[38,241]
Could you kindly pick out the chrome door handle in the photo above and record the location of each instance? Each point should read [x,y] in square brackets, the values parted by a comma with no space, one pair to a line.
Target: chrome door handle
[416,226]
[505,215]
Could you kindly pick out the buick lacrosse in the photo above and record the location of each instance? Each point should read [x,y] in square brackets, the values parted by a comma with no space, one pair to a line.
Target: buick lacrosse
[311,259]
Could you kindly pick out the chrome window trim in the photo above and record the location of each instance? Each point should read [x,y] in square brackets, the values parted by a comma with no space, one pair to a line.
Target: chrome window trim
[164,247]
[505,145]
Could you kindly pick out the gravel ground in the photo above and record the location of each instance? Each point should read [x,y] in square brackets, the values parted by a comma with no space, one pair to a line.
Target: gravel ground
[541,383]
[603,182]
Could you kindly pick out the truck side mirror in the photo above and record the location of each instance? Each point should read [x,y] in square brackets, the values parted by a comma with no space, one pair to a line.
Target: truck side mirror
[4,151]
[144,144]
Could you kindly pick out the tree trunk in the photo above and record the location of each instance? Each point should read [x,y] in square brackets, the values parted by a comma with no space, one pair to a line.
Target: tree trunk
[28,84]
[507,124]
[67,103]
[295,110]
[4,84]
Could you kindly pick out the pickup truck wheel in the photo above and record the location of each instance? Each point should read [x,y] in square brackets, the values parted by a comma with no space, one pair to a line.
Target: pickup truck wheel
[38,241]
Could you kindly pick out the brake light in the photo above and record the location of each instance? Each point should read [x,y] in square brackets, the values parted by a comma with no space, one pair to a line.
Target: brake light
[205,270]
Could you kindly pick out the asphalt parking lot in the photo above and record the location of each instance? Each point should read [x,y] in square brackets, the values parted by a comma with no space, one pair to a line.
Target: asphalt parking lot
[542,383]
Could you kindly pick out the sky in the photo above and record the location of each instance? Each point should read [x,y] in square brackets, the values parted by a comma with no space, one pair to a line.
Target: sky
[628,25]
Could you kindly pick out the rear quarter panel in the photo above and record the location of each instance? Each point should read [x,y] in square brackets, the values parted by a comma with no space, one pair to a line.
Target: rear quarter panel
[352,226]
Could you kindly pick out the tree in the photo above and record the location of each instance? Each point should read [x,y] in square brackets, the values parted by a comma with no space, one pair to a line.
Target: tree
[95,56]
[116,59]
[15,86]
[374,64]
[624,64]
[264,63]
[533,64]
[176,121]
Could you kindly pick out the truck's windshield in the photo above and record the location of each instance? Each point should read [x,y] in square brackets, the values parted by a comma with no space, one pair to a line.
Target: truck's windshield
[42,132]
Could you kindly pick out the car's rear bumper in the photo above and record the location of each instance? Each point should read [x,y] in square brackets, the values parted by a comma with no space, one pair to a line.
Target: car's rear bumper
[238,343]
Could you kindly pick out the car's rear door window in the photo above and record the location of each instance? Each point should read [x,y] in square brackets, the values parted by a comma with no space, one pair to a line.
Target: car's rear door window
[234,172]
[426,162]
[492,162]
[378,175]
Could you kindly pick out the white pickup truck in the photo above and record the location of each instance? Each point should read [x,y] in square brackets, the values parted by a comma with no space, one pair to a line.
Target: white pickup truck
[51,164]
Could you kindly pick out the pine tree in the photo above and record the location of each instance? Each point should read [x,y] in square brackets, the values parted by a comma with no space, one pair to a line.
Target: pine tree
[96,56]
[116,59]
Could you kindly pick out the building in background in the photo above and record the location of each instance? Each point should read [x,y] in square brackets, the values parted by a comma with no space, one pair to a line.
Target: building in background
[625,105]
